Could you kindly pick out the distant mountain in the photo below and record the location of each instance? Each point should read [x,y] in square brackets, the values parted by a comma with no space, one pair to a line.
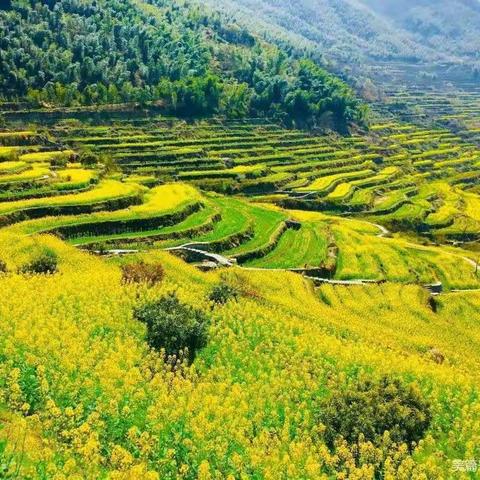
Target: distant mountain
[446,26]
[356,31]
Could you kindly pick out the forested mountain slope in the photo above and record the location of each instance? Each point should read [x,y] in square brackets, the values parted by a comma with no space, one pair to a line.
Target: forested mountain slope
[188,60]
[368,30]
[344,31]
[445,26]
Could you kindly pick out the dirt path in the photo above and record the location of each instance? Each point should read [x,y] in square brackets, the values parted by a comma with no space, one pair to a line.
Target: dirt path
[464,290]
[384,232]
[214,257]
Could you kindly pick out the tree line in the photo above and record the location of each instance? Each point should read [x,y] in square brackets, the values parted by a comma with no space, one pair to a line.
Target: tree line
[180,57]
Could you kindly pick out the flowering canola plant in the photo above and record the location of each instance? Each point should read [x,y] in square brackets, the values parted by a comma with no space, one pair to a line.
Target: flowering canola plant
[106,190]
[83,396]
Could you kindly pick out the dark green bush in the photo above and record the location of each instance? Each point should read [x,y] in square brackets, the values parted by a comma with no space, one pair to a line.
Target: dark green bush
[222,293]
[88,158]
[3,267]
[46,262]
[371,408]
[59,162]
[173,326]
[141,272]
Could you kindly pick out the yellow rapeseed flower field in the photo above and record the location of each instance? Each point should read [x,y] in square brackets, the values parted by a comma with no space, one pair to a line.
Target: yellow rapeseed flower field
[85,393]
[43,157]
[90,400]
[157,201]
[106,190]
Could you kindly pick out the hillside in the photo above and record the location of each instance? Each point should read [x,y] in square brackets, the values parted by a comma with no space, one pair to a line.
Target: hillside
[306,306]
[182,59]
[351,31]
[233,299]
[216,263]
[84,385]
[86,392]
[448,27]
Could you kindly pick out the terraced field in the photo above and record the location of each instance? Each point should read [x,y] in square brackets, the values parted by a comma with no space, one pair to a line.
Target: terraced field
[330,249]
[256,194]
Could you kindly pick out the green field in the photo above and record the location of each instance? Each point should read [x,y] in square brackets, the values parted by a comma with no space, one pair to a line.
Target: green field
[252,208]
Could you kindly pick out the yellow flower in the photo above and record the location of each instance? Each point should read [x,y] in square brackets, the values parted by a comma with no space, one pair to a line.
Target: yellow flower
[204,471]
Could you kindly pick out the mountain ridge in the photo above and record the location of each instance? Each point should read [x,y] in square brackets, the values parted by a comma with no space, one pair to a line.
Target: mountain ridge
[369,30]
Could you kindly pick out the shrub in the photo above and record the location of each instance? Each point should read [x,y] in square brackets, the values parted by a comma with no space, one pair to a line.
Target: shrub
[222,293]
[436,355]
[239,284]
[141,272]
[59,162]
[371,408]
[88,158]
[110,165]
[46,262]
[3,267]
[173,326]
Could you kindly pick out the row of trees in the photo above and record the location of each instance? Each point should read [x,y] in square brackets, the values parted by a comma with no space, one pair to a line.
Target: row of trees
[72,52]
